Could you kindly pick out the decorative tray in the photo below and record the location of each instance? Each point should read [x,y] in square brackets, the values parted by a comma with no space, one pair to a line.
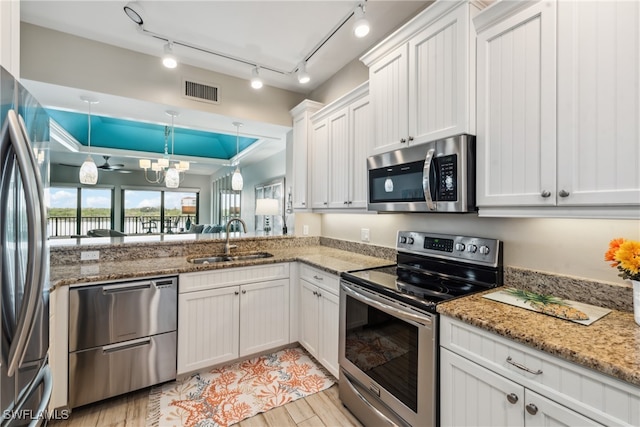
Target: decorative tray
[577,312]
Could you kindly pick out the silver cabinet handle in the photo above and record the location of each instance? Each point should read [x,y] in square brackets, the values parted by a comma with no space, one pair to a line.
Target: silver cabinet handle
[237,293]
[524,368]
[410,138]
[545,194]
[532,409]
[402,140]
[303,203]
[317,277]
[126,345]
[346,203]
[563,193]
[319,294]
[315,293]
[512,398]
[244,291]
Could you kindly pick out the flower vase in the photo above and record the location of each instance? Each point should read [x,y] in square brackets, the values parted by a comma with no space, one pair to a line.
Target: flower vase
[636,300]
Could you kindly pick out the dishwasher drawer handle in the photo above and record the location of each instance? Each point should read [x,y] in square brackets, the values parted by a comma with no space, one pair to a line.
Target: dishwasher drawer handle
[521,366]
[126,287]
[126,345]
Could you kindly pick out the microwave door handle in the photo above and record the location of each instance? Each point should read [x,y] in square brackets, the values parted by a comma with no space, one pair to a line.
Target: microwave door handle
[426,182]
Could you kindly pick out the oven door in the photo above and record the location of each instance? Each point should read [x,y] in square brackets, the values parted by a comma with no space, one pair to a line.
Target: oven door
[388,359]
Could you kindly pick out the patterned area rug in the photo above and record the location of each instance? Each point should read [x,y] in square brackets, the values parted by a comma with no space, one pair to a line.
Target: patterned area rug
[228,395]
[368,349]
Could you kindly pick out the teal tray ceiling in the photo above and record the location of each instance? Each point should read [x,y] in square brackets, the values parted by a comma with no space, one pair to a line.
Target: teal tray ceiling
[108,132]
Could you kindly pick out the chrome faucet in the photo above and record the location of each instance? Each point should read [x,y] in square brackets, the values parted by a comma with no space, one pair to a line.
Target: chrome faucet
[227,246]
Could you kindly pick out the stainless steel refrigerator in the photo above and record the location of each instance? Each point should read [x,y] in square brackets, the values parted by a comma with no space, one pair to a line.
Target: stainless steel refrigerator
[25,378]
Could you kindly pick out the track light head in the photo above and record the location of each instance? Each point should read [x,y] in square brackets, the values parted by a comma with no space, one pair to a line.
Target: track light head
[303,76]
[256,81]
[134,11]
[361,25]
[168,59]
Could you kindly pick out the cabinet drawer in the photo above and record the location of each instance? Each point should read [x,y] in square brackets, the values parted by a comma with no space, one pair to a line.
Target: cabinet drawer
[325,280]
[203,280]
[103,372]
[597,396]
[110,313]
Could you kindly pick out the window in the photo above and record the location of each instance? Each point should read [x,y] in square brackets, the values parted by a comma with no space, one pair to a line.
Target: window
[74,211]
[227,202]
[151,211]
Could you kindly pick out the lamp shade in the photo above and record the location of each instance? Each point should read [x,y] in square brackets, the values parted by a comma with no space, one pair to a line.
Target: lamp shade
[267,207]
[236,181]
[89,172]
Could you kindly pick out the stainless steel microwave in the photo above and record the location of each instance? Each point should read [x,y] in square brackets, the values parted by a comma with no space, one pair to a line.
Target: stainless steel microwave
[437,176]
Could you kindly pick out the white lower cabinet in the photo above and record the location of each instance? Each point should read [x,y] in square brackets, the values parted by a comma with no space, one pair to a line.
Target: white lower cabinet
[472,395]
[230,313]
[492,381]
[319,316]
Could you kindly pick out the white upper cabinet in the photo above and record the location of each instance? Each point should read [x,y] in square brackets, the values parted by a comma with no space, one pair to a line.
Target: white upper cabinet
[302,134]
[422,79]
[342,139]
[558,109]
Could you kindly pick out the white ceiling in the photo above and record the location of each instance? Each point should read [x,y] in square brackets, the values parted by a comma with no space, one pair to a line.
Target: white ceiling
[276,34]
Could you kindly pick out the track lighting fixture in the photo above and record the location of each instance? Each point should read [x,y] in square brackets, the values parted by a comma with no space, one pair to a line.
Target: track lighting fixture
[303,76]
[256,81]
[168,59]
[361,25]
[134,11]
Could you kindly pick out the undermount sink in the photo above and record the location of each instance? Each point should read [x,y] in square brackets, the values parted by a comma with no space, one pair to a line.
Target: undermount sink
[231,257]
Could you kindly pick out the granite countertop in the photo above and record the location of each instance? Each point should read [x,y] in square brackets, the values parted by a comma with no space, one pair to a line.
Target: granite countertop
[610,345]
[326,258]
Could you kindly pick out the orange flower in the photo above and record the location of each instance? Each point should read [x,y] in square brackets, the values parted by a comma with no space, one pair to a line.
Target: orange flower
[610,255]
[625,256]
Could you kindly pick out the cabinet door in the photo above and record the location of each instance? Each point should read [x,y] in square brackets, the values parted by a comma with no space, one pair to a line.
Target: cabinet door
[439,78]
[208,328]
[599,103]
[516,141]
[319,165]
[300,168]
[264,316]
[309,317]
[329,331]
[361,146]
[339,149]
[471,395]
[542,412]
[389,90]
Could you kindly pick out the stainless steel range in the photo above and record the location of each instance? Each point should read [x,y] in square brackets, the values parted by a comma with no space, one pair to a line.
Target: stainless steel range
[389,324]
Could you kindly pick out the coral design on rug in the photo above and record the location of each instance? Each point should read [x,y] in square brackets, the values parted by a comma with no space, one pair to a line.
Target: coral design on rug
[227,395]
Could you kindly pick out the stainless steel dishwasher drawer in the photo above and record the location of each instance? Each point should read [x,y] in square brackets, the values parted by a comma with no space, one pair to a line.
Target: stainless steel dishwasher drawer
[102,372]
[111,313]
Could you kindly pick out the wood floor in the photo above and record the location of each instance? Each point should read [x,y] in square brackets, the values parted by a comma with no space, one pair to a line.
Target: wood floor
[320,409]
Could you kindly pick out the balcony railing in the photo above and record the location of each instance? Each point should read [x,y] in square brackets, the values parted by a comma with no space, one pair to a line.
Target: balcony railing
[67,226]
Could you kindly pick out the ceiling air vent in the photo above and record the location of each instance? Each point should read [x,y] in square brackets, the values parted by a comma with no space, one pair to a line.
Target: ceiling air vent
[201,91]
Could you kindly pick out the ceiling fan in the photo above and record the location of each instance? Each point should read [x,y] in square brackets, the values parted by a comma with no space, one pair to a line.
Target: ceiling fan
[106,166]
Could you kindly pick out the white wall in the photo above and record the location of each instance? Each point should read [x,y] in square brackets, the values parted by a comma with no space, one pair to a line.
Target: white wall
[62,59]
[573,247]
[346,79]
[256,174]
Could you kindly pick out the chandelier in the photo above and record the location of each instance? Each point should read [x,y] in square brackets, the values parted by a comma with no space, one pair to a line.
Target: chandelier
[171,173]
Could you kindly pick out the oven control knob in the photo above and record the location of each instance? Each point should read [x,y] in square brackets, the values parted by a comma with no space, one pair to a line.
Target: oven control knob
[410,240]
[484,250]
[472,248]
[403,239]
[459,246]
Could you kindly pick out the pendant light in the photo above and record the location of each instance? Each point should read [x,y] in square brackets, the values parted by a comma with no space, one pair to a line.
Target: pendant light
[236,178]
[89,170]
[172,176]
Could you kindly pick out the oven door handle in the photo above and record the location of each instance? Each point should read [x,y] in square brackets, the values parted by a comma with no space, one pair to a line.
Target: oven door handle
[414,318]
[426,182]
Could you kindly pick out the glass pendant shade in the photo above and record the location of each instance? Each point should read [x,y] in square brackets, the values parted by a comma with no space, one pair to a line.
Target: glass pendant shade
[236,180]
[172,178]
[89,172]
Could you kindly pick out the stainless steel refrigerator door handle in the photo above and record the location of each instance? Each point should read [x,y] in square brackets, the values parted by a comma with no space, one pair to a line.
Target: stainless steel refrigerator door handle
[413,318]
[39,416]
[426,182]
[15,139]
